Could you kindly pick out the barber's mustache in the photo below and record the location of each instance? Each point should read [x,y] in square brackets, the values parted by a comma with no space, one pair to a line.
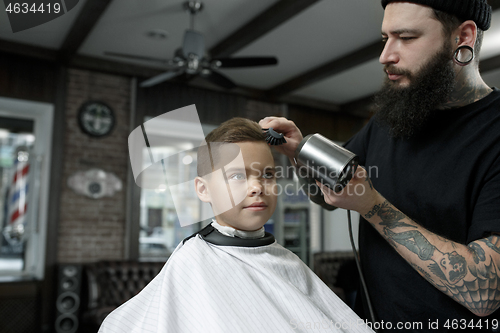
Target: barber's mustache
[397,71]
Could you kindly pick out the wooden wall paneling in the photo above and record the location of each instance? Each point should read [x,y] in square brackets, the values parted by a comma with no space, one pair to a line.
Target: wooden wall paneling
[335,126]
[26,78]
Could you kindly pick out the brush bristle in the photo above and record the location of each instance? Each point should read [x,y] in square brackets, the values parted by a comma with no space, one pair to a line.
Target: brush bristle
[274,138]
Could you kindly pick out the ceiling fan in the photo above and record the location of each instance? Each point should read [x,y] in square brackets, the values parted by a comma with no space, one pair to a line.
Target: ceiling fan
[191,58]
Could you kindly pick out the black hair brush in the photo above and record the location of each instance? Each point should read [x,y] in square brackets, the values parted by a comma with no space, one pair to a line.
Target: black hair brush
[274,138]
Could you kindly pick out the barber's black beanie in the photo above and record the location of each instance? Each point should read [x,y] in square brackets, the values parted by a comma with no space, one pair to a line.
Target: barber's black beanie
[476,10]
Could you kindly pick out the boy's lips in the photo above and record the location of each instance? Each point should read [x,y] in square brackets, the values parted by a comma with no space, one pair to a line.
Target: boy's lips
[256,206]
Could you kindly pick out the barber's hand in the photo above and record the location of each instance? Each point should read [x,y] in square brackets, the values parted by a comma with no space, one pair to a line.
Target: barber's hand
[291,132]
[359,194]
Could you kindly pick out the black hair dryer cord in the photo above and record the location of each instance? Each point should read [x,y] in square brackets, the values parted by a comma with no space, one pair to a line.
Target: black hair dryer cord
[362,279]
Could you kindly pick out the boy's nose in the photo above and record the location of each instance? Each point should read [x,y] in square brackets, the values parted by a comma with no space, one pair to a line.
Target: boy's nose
[255,187]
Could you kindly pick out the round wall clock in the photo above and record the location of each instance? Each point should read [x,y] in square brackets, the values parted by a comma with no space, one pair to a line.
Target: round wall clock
[96,119]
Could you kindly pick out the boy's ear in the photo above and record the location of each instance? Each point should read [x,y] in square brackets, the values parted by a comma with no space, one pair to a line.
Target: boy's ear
[201,188]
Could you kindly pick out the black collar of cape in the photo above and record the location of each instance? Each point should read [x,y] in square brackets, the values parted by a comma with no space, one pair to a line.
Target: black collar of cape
[213,236]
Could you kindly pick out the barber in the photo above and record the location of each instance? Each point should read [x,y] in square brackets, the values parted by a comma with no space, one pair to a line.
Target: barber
[429,235]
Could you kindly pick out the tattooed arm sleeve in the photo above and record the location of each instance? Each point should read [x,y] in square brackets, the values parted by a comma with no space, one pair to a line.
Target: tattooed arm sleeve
[467,273]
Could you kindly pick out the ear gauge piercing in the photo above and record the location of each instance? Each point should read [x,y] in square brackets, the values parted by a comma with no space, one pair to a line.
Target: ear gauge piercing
[463,55]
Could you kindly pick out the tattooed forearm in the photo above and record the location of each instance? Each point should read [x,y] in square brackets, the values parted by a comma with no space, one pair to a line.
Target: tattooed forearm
[450,266]
[466,273]
[413,241]
[477,252]
[391,218]
[423,272]
[373,211]
[480,295]
[493,242]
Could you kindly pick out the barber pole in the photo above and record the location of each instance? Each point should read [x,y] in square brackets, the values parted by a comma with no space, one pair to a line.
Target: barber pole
[18,203]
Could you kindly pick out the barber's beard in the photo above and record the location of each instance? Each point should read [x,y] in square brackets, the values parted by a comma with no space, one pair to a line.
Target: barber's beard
[407,109]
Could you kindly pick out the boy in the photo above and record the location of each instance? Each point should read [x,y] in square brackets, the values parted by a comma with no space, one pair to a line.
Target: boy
[232,276]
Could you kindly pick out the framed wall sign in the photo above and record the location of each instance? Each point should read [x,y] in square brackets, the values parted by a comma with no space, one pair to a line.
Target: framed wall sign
[96,118]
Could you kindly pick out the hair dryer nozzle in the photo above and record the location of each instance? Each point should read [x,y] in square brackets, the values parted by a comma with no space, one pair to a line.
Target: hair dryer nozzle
[319,158]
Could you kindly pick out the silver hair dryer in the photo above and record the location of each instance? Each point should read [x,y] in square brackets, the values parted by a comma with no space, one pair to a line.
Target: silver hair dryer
[319,158]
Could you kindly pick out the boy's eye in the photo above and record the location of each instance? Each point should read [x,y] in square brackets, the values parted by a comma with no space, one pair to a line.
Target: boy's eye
[268,175]
[407,38]
[238,176]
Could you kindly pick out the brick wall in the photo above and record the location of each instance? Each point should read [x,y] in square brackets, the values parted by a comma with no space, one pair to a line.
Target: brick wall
[94,229]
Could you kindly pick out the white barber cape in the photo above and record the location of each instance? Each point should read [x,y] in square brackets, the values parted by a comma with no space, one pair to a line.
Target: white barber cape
[212,288]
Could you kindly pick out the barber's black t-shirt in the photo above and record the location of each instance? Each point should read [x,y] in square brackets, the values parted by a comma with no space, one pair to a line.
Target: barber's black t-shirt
[447,179]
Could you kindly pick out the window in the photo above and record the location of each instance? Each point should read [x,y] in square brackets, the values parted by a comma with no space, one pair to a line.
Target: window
[25,141]
[160,228]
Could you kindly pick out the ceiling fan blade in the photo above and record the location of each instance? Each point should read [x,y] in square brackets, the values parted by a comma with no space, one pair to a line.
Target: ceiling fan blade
[136,57]
[218,79]
[193,43]
[159,78]
[245,62]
